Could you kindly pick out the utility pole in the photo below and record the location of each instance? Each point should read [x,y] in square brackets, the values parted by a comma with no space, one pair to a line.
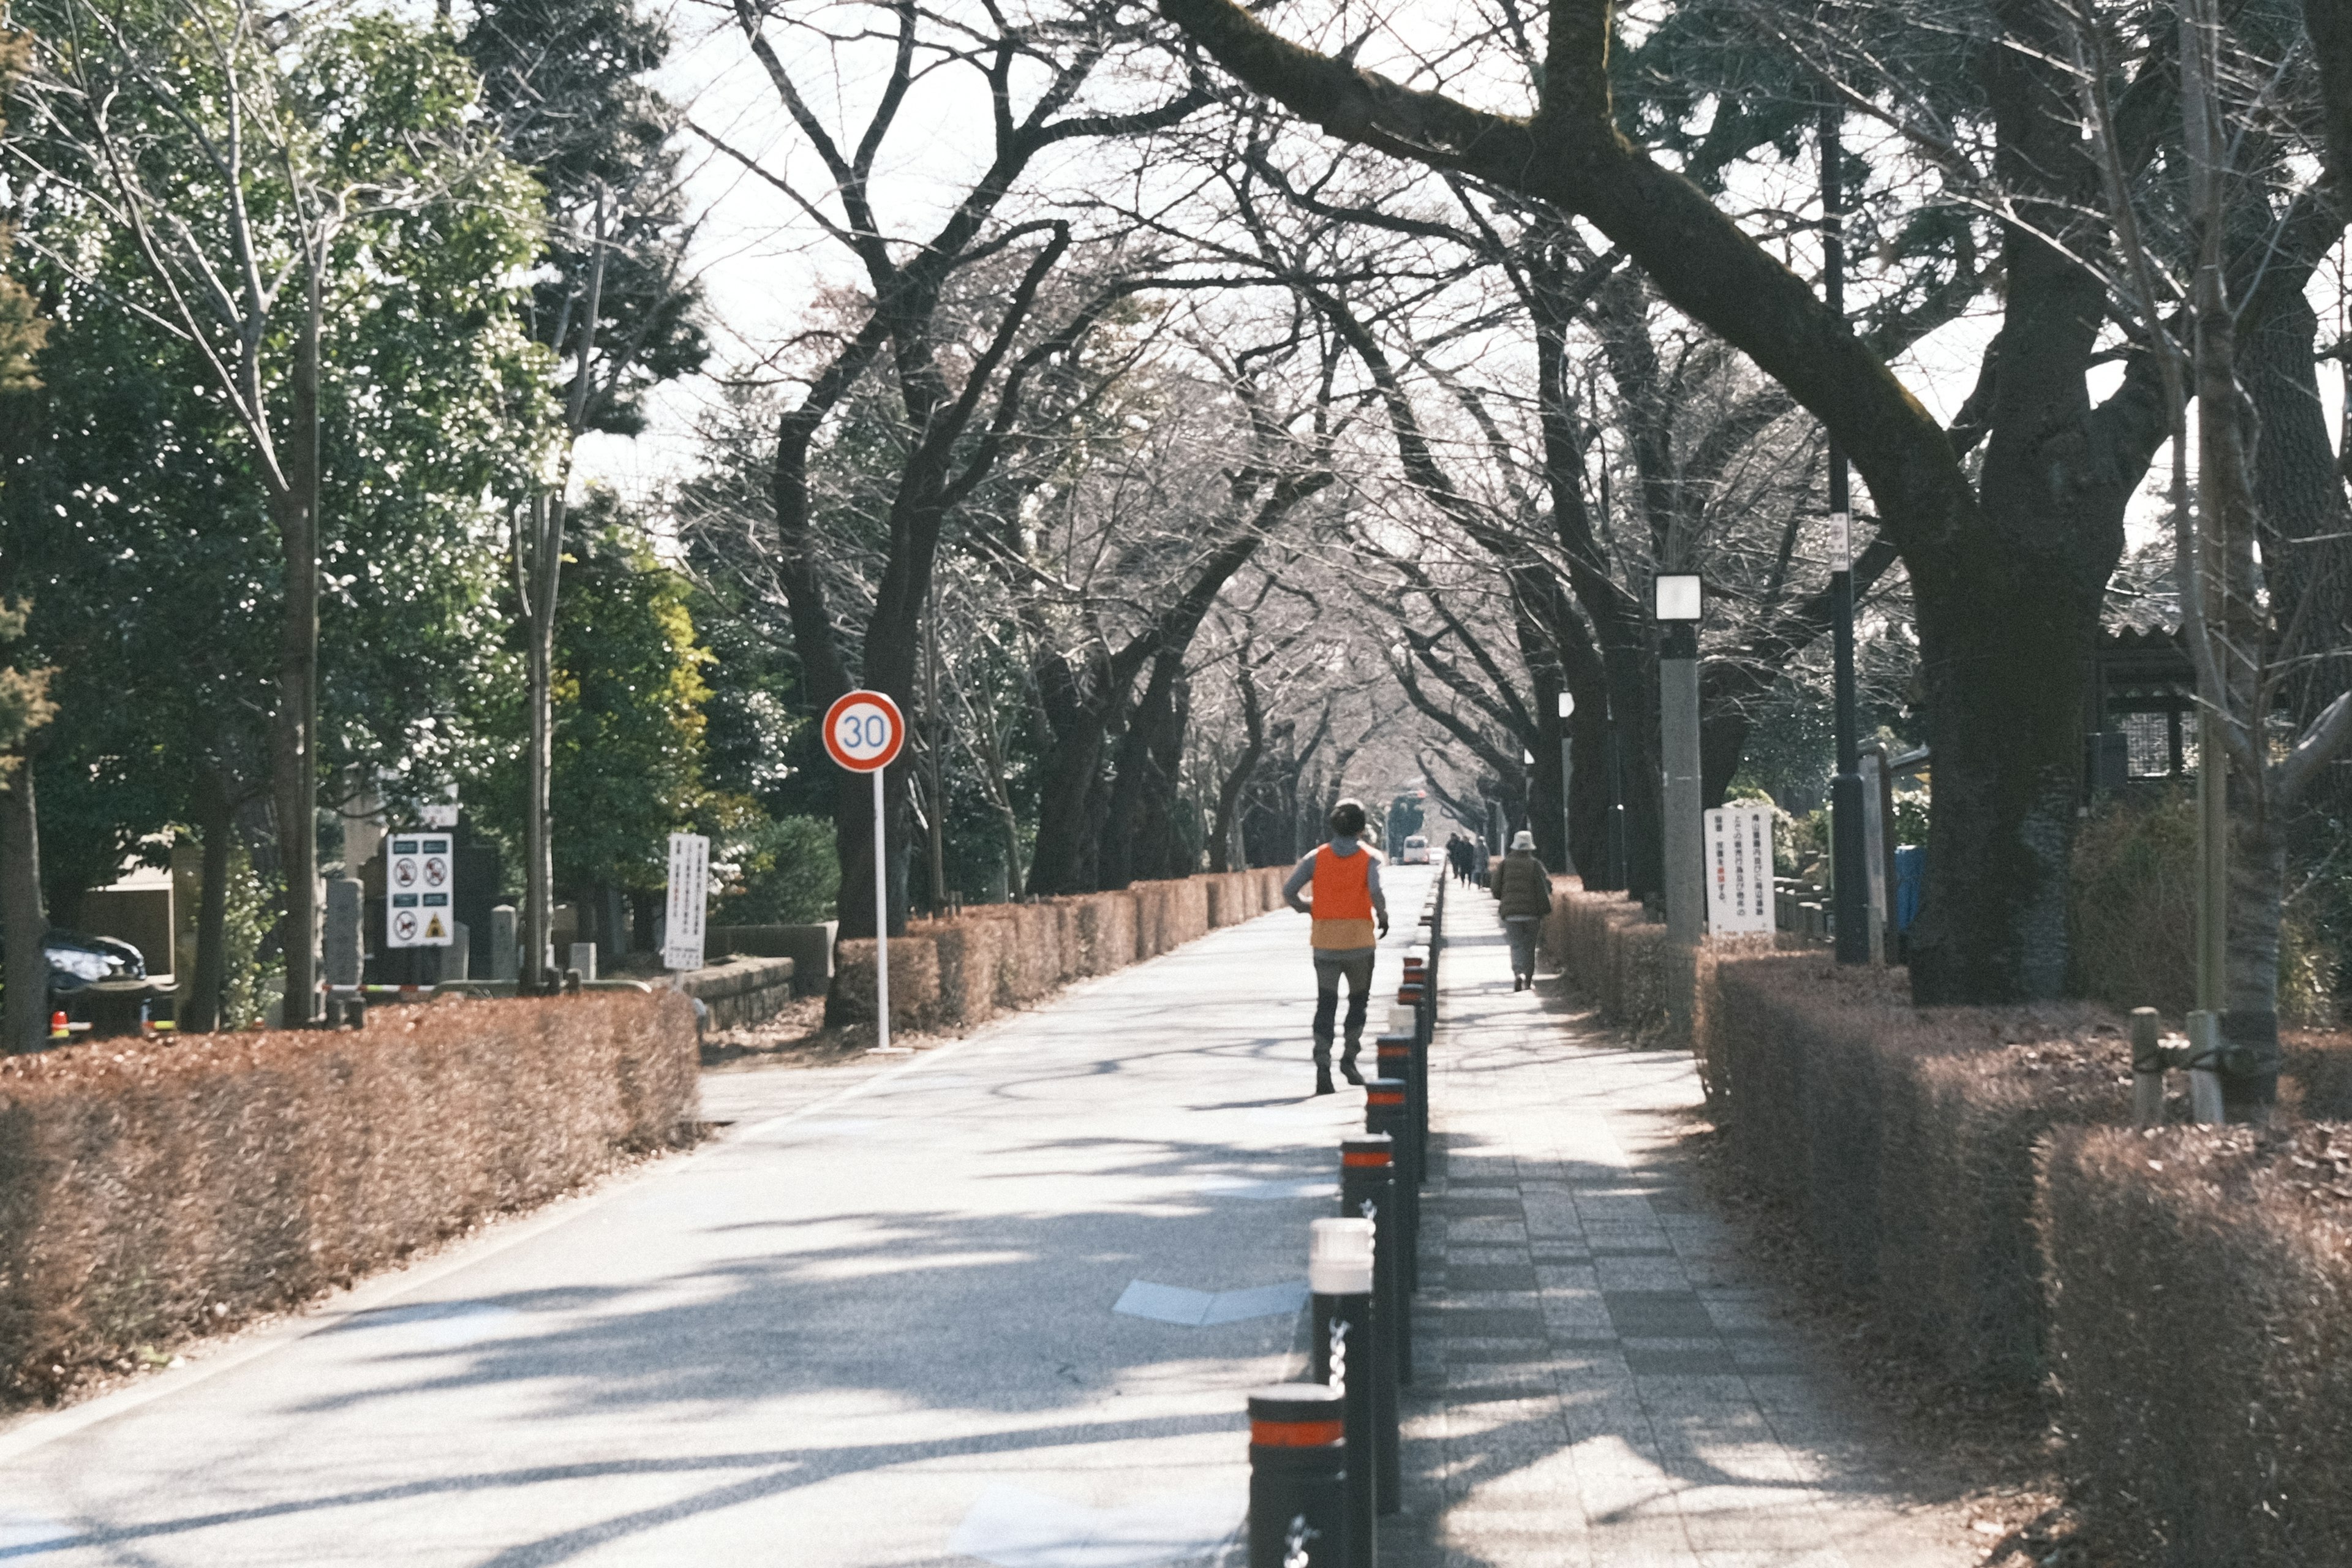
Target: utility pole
[1680,603]
[1852,886]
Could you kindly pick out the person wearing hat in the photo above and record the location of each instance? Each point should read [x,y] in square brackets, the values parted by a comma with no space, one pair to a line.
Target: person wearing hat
[1523,888]
[1349,913]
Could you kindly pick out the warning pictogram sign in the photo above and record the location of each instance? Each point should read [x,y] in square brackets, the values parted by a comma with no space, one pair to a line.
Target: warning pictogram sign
[418,877]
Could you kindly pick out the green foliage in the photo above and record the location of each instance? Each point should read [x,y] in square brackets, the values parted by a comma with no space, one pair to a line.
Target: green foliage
[786,873]
[136,514]
[248,987]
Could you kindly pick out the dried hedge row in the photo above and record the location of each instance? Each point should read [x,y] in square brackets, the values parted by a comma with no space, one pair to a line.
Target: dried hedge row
[1904,1136]
[1611,956]
[960,972]
[2201,1338]
[145,1187]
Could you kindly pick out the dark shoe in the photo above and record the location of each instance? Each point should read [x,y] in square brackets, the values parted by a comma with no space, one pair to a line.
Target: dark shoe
[1323,1081]
[1348,1069]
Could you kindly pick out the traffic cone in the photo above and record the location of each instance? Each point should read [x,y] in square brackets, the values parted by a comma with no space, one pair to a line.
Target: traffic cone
[58,1028]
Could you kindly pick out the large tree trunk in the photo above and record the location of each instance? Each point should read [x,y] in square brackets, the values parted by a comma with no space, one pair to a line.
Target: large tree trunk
[1139,839]
[296,764]
[538,834]
[2305,524]
[199,1007]
[2005,693]
[23,921]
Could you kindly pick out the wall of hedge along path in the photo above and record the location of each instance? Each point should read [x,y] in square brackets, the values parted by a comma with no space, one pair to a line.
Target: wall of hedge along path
[991,958]
[2183,1298]
[150,1188]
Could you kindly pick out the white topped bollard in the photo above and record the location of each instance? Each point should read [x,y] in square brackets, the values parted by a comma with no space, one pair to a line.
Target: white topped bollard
[1339,1278]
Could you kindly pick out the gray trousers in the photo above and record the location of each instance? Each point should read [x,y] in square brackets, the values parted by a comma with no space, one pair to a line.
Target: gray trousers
[1357,967]
[1522,930]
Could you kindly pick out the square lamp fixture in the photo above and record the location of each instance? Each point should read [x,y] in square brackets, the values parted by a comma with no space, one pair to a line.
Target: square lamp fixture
[1679,598]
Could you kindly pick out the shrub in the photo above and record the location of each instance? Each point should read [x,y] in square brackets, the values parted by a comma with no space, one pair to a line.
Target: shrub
[914,982]
[1611,956]
[2131,903]
[1903,1137]
[2201,1291]
[144,1186]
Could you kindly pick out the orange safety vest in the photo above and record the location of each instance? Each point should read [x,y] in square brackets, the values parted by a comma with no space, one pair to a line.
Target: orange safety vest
[1343,900]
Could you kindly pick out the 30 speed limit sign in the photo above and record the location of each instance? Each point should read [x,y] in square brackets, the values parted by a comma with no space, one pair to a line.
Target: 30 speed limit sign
[864,730]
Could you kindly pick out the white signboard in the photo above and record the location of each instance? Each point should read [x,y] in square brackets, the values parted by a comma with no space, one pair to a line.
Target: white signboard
[1740,869]
[420,879]
[689,896]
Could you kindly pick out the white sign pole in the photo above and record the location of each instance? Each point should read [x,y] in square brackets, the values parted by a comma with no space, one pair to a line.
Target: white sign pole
[881,928]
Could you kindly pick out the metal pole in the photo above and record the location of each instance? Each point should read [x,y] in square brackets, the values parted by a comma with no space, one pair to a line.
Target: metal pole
[934,730]
[881,926]
[1678,740]
[1851,889]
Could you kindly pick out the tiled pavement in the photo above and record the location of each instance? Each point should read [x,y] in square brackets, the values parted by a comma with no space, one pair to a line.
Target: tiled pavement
[1598,1385]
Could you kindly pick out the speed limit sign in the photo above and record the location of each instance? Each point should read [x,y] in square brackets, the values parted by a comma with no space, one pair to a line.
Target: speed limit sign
[863,731]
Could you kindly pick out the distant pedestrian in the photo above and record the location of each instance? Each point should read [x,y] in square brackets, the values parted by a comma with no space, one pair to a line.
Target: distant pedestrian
[1523,888]
[1350,914]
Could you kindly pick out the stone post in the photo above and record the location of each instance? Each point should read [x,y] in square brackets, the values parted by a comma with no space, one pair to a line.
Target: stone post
[458,958]
[583,959]
[345,953]
[505,950]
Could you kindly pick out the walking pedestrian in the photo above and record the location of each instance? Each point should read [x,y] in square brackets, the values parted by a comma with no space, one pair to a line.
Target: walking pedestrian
[1350,913]
[1523,888]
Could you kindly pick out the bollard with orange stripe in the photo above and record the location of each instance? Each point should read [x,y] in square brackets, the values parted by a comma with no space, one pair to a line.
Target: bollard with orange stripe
[1299,1500]
[1396,1119]
[1384,1112]
[1339,1352]
[1365,1192]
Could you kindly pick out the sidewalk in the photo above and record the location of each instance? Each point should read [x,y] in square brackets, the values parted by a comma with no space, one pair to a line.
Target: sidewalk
[1600,1385]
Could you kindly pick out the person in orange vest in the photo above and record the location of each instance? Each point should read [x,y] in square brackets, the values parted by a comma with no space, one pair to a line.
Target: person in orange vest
[1350,913]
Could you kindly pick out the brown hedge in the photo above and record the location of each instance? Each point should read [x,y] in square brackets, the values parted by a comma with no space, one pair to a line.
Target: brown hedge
[1613,956]
[149,1189]
[991,957]
[1904,1137]
[2201,1338]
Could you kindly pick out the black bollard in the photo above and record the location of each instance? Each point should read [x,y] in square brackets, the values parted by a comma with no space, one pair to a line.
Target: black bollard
[1339,1274]
[1298,1501]
[1396,1066]
[1384,1112]
[1364,1193]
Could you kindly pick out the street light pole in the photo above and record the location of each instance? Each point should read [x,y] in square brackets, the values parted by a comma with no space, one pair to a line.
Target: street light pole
[1851,887]
[1680,603]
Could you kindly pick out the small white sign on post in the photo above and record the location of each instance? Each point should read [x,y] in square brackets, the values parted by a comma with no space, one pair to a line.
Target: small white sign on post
[1739,869]
[689,898]
[420,878]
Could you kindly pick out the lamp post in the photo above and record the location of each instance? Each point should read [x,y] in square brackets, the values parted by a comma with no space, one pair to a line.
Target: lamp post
[1566,835]
[1851,888]
[1680,603]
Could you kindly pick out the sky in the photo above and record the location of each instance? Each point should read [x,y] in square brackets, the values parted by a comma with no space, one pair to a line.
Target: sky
[761,260]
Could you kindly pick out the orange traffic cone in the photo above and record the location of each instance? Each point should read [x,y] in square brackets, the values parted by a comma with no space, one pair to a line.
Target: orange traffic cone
[58,1028]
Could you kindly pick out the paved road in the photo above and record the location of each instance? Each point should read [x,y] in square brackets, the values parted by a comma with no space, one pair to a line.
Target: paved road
[1000,1304]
